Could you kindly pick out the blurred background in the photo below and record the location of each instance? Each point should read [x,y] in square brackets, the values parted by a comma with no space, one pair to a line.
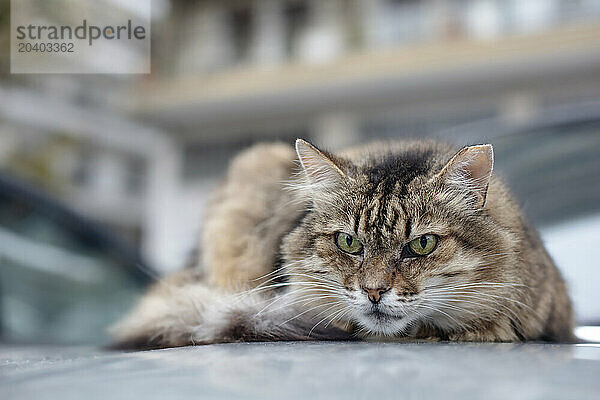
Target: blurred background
[103,178]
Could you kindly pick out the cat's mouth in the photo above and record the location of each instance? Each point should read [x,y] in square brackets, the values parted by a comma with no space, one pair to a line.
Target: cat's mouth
[382,317]
[380,322]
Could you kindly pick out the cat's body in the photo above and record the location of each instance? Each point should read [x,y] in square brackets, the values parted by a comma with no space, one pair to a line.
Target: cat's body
[392,239]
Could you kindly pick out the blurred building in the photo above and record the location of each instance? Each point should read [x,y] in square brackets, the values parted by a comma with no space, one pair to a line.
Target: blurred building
[62,133]
[230,73]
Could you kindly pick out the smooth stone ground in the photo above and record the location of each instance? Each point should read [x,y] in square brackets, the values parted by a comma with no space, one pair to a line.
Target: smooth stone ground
[305,371]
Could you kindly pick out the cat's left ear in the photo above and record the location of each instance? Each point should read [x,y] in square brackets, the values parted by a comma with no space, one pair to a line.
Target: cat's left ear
[320,169]
[470,170]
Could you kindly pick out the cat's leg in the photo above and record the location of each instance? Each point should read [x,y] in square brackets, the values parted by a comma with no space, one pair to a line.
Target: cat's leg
[246,217]
[194,314]
[501,330]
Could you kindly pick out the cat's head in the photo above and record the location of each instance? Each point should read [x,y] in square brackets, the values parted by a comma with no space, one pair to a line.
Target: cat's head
[399,236]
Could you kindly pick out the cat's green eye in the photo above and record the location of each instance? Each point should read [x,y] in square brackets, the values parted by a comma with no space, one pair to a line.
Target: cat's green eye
[348,243]
[422,245]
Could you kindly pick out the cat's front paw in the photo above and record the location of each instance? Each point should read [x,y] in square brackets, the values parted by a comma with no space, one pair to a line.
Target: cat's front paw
[479,336]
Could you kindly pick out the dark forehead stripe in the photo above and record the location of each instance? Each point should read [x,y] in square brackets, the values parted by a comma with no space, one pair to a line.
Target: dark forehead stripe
[394,220]
[388,177]
[398,170]
[407,227]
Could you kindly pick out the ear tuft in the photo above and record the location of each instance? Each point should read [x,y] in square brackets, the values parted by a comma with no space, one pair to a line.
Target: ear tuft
[318,167]
[471,169]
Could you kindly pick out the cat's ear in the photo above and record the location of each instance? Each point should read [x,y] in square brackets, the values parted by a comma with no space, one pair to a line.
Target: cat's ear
[320,169]
[470,170]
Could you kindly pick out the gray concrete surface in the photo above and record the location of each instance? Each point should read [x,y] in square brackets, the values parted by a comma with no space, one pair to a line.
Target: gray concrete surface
[305,371]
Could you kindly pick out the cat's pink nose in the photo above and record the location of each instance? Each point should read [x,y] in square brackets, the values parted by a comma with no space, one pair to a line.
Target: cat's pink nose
[374,295]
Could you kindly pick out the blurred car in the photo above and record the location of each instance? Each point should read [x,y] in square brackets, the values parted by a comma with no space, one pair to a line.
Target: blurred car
[63,278]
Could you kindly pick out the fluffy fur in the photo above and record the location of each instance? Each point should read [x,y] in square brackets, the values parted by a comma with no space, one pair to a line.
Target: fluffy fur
[273,270]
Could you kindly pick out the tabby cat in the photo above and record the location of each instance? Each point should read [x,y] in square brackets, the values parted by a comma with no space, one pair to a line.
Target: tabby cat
[397,240]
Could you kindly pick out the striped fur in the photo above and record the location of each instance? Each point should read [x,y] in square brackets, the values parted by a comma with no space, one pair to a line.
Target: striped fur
[274,272]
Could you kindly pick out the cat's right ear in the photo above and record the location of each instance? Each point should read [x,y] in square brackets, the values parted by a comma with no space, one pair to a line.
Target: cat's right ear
[319,168]
[470,171]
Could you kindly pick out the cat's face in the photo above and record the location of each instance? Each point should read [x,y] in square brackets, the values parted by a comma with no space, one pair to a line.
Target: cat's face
[400,241]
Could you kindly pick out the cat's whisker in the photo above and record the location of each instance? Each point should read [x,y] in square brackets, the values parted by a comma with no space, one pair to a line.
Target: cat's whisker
[307,311]
[275,271]
[488,306]
[293,270]
[472,290]
[339,315]
[446,286]
[508,284]
[324,311]
[324,282]
[317,279]
[263,288]
[362,329]
[306,299]
[489,295]
[284,284]
[436,309]
[480,305]
[277,299]
[443,304]
[482,295]
[316,286]
[320,321]
[291,293]
[450,295]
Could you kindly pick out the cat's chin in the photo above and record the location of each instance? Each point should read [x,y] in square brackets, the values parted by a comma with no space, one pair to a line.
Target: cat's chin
[377,322]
